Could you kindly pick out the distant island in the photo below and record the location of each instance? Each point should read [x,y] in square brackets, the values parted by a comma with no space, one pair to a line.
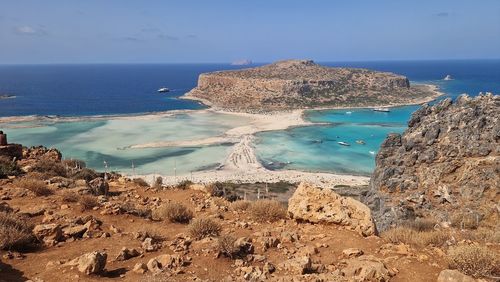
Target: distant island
[244,62]
[302,84]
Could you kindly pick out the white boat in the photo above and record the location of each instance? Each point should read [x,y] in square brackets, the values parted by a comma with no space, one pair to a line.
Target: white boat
[348,113]
[385,110]
[343,143]
[362,142]
[372,152]
[163,90]
[448,77]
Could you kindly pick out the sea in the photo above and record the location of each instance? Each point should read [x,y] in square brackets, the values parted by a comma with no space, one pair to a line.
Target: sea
[129,91]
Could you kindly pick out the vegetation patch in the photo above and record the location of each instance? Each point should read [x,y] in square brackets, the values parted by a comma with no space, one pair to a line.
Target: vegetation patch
[174,212]
[15,232]
[38,187]
[201,228]
[267,210]
[474,260]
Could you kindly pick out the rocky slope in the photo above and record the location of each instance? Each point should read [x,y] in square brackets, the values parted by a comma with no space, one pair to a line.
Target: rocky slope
[445,166]
[298,84]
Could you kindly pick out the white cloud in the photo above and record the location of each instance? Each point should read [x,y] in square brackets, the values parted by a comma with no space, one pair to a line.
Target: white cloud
[28,30]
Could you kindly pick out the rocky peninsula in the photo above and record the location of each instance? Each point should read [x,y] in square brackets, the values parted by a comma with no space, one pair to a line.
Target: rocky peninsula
[445,166]
[302,84]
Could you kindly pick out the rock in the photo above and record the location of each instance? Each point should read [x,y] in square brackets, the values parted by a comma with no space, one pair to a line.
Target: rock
[366,268]
[98,186]
[90,263]
[166,262]
[126,254]
[449,275]
[295,84]
[11,151]
[50,234]
[299,265]
[140,268]
[352,253]
[32,212]
[447,159]
[76,231]
[318,205]
[244,245]
[149,245]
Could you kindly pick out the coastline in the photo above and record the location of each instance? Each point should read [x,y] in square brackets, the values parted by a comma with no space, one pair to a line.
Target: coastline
[241,164]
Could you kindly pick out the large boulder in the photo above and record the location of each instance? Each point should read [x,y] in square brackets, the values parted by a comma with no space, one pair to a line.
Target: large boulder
[49,234]
[366,268]
[90,263]
[447,162]
[317,205]
[453,275]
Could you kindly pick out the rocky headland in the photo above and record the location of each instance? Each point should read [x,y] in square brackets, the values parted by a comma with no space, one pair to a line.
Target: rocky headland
[445,166]
[301,84]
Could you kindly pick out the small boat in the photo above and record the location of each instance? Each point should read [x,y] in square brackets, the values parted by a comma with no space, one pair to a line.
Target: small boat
[385,110]
[343,143]
[362,142]
[372,152]
[448,77]
[348,113]
[163,90]
[270,163]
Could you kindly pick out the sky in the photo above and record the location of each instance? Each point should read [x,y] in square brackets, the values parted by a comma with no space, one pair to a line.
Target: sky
[188,31]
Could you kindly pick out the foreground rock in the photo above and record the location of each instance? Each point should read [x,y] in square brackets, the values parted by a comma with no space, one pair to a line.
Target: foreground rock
[90,263]
[452,275]
[445,166]
[317,205]
[298,84]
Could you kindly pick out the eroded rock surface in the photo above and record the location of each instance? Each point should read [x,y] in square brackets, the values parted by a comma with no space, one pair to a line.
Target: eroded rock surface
[318,205]
[446,162]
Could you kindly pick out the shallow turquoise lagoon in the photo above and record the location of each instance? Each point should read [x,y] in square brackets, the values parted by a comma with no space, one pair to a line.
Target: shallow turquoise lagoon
[99,141]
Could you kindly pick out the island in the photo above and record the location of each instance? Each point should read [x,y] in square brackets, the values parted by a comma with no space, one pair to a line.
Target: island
[302,84]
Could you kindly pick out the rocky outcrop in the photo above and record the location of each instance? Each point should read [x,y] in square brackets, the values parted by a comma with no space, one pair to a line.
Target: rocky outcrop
[445,164]
[298,84]
[90,263]
[318,205]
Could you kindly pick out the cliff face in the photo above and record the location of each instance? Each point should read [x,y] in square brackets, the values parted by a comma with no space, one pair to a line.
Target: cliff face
[301,84]
[446,165]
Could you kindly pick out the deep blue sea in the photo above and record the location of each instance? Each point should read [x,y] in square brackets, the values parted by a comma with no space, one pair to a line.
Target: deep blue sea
[81,90]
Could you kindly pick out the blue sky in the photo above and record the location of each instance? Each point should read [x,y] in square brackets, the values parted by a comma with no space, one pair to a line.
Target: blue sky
[126,31]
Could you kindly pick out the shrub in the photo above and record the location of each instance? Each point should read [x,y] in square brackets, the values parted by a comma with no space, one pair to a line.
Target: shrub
[485,235]
[201,228]
[140,182]
[174,212]
[88,202]
[420,224]
[37,175]
[8,167]
[473,260]
[86,174]
[466,220]
[15,231]
[240,205]
[410,236]
[49,167]
[220,202]
[158,182]
[70,196]
[184,184]
[225,246]
[34,185]
[267,210]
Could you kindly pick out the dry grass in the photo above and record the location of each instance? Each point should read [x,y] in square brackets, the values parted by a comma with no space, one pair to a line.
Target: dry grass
[131,208]
[420,224]
[240,205]
[88,202]
[226,247]
[8,167]
[221,202]
[412,237]
[69,196]
[15,231]
[201,228]
[140,182]
[50,167]
[482,234]
[267,210]
[34,185]
[474,260]
[86,174]
[466,220]
[174,212]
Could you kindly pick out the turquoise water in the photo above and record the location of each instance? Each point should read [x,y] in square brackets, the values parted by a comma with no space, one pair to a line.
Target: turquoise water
[80,90]
[107,140]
